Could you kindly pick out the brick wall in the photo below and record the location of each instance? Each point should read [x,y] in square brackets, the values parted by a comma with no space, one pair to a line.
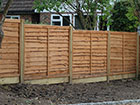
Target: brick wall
[45,18]
[26,17]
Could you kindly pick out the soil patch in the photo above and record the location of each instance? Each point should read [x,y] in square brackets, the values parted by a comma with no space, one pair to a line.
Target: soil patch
[25,94]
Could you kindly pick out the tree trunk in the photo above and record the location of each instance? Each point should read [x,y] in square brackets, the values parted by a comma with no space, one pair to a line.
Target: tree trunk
[3,19]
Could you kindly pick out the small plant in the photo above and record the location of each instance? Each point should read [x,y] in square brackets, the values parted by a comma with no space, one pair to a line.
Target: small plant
[28,22]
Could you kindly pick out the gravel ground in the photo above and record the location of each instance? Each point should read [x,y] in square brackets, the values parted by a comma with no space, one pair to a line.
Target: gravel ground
[25,94]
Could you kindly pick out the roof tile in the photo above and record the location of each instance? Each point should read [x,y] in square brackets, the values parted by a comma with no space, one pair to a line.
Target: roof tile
[19,5]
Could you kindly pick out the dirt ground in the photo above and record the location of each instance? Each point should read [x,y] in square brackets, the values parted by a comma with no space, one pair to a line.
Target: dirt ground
[25,94]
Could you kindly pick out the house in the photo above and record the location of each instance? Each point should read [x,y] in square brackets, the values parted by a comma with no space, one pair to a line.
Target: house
[66,12]
[54,18]
[22,9]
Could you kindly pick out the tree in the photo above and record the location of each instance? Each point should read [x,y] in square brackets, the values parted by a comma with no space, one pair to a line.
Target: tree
[120,21]
[0,4]
[135,8]
[134,11]
[106,8]
[9,2]
[86,10]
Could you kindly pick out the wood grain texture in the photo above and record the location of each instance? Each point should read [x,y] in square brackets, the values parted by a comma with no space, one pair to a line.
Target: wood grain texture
[70,54]
[9,54]
[108,56]
[22,52]
[52,52]
[137,62]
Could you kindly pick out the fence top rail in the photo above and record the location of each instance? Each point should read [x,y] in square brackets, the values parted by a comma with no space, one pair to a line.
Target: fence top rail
[45,26]
[120,33]
[68,27]
[111,32]
[12,20]
[89,31]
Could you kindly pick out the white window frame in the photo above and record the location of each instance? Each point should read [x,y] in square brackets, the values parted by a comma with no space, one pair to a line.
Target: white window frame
[13,16]
[98,21]
[61,18]
[56,20]
[74,19]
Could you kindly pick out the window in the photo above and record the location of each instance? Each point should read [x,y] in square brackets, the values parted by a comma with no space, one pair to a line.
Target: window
[61,21]
[56,20]
[56,17]
[56,23]
[66,20]
[12,17]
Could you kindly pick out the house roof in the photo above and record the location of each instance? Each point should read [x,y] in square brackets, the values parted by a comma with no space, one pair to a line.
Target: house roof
[19,5]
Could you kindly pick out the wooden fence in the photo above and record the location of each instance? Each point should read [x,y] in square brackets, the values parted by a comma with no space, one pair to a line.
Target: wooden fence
[42,54]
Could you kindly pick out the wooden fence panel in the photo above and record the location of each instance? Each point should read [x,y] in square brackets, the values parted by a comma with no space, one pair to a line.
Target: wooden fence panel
[130,52]
[139,54]
[47,52]
[116,53]
[9,54]
[58,51]
[123,52]
[81,54]
[36,57]
[89,54]
[99,53]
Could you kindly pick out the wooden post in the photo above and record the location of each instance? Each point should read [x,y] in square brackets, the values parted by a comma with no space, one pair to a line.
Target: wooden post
[137,63]
[21,51]
[108,56]
[123,50]
[90,54]
[123,54]
[70,54]
[48,53]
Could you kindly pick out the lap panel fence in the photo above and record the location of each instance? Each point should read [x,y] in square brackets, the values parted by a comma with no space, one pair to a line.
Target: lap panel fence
[42,54]
[9,54]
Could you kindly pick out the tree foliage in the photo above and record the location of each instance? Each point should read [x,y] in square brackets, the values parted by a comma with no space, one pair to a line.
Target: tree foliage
[134,11]
[120,19]
[86,10]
